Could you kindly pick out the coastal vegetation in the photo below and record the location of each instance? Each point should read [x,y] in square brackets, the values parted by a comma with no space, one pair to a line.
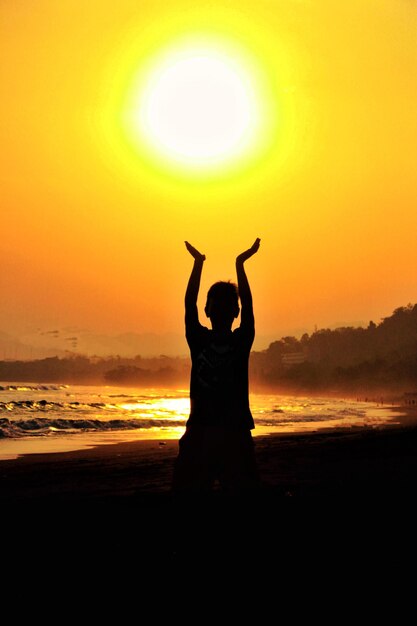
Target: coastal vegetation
[348,359]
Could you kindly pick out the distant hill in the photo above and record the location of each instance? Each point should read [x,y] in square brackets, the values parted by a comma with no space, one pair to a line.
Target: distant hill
[157,371]
[381,356]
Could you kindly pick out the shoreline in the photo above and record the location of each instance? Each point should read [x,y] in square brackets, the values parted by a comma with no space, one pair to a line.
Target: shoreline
[14,448]
[324,462]
[334,496]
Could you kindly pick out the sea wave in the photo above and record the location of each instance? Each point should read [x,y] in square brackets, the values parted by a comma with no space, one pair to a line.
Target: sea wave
[43,426]
[306,418]
[46,405]
[35,410]
[24,387]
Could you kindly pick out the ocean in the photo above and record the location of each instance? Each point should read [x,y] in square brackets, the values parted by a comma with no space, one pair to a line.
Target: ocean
[51,417]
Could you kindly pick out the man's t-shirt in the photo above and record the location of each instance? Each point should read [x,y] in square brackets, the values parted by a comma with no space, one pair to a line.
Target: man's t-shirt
[219,388]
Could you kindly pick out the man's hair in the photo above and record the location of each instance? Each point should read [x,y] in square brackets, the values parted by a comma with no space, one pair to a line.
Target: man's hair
[223,291]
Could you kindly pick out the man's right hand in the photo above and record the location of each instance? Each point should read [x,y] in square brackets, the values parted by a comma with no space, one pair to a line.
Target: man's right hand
[194,252]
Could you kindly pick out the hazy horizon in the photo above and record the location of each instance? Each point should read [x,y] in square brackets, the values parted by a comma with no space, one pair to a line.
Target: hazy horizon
[38,343]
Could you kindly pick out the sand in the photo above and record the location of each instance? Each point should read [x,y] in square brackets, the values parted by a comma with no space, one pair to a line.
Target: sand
[318,490]
[345,461]
[324,464]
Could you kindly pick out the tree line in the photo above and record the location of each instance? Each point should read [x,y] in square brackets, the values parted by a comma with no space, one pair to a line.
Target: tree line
[380,356]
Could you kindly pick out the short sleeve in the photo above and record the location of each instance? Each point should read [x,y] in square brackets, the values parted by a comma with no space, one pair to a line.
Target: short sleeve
[195,333]
[245,335]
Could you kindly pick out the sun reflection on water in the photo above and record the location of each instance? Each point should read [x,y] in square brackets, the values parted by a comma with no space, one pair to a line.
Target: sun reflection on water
[167,408]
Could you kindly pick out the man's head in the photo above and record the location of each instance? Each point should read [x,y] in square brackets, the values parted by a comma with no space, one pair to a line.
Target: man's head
[222,305]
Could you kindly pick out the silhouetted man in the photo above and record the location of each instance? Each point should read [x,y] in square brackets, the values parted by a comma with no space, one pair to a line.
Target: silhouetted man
[217,444]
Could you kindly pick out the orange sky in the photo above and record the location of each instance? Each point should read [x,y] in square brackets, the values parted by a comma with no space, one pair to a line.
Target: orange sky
[93,227]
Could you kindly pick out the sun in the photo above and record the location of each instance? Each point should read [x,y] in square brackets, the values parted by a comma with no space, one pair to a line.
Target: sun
[196,108]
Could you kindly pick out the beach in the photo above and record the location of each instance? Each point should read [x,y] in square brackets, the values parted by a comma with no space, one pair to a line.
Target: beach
[343,462]
[119,494]
[329,462]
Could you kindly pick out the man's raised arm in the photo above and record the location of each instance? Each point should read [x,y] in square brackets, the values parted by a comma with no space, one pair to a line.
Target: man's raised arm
[191,294]
[247,317]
